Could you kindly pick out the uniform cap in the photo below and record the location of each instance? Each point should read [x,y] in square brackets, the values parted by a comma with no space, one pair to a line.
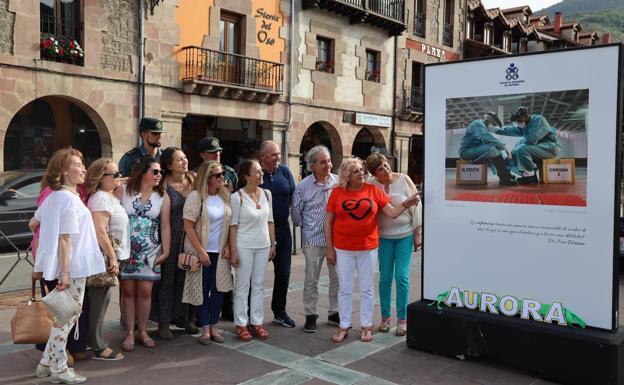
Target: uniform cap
[209,144]
[151,124]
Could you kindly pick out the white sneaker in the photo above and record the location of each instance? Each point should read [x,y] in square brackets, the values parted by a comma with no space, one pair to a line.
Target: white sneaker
[68,377]
[42,371]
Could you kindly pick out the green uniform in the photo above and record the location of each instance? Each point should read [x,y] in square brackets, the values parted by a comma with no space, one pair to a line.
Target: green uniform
[229,175]
[132,157]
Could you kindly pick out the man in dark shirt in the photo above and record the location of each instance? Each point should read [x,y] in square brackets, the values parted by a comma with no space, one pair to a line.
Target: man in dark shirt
[210,149]
[150,130]
[279,180]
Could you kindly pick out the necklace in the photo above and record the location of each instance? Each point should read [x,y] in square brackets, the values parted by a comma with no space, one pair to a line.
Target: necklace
[69,189]
[256,201]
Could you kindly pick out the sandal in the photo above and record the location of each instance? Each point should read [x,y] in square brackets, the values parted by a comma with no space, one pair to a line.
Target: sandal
[384,327]
[114,355]
[401,328]
[367,334]
[128,344]
[340,335]
[145,340]
[243,333]
[260,332]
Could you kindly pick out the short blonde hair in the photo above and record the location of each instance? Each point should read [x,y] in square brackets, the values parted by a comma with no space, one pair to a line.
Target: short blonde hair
[203,176]
[58,165]
[346,168]
[95,173]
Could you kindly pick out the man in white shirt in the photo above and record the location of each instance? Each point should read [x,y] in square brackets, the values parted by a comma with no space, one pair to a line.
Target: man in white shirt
[308,212]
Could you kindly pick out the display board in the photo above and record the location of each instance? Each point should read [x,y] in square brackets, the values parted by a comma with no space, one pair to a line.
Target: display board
[515,245]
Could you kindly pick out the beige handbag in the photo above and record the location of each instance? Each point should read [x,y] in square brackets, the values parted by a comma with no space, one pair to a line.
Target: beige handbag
[32,321]
[62,305]
[105,279]
[193,288]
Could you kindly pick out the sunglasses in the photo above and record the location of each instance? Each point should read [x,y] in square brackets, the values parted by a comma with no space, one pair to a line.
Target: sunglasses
[217,175]
[115,175]
[156,172]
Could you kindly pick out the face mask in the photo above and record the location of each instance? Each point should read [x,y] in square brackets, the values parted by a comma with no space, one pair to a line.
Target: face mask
[492,127]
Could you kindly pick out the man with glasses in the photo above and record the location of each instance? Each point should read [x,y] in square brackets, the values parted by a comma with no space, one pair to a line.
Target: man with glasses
[150,130]
[209,149]
[308,212]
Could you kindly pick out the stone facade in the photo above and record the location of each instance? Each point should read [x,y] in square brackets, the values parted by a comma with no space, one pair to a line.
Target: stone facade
[7,22]
[119,39]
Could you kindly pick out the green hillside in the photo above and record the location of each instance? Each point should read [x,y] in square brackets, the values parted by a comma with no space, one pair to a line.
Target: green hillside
[596,15]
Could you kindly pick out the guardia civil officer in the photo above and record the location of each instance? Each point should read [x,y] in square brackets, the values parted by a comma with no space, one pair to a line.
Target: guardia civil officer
[210,149]
[150,130]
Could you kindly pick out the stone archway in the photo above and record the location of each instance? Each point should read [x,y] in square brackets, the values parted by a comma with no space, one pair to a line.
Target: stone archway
[324,133]
[367,141]
[49,123]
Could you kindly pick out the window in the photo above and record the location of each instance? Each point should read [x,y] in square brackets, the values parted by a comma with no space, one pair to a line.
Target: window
[61,26]
[325,57]
[229,34]
[507,43]
[373,72]
[449,16]
[419,17]
[469,29]
[487,35]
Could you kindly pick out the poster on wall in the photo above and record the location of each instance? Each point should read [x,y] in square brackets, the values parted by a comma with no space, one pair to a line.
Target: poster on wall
[521,185]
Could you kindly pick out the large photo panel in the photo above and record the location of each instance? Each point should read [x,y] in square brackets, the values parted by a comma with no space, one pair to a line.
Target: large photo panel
[520,181]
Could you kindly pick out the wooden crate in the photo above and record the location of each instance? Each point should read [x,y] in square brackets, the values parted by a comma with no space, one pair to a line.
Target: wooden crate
[559,171]
[470,173]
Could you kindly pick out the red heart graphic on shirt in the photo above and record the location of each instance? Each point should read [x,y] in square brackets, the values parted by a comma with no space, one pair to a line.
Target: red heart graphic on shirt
[359,209]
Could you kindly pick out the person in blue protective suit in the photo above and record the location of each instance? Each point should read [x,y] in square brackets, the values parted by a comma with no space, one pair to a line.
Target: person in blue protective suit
[539,141]
[478,145]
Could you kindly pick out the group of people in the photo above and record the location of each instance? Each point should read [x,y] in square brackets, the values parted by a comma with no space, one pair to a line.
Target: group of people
[130,222]
[538,142]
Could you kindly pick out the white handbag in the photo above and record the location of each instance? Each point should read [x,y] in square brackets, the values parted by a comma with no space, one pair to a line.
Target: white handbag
[62,305]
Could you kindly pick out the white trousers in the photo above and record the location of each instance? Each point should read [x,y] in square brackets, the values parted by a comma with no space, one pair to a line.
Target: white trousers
[347,263]
[54,354]
[252,265]
[314,257]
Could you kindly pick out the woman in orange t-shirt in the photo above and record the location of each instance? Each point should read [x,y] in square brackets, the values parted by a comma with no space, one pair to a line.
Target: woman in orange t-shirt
[352,240]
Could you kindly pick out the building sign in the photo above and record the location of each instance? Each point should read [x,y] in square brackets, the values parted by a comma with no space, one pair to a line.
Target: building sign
[372,120]
[430,50]
[266,27]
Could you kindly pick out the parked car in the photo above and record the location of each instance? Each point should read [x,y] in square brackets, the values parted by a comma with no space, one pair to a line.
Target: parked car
[18,201]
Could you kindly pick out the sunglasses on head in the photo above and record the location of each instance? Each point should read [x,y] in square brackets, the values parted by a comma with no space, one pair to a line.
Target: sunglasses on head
[156,172]
[217,175]
[113,174]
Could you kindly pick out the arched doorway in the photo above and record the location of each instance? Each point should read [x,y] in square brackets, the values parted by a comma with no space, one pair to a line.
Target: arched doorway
[320,133]
[367,141]
[46,125]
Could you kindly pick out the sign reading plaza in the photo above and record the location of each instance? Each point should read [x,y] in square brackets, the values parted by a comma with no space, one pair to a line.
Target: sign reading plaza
[521,189]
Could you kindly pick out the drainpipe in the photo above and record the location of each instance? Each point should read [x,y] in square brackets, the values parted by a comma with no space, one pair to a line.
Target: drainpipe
[141,83]
[290,77]
[394,105]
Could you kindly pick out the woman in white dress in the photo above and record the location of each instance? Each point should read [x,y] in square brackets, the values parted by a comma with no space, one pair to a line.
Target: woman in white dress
[148,208]
[68,251]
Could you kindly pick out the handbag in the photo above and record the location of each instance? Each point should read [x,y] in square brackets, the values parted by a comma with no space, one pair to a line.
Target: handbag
[105,279]
[62,305]
[188,260]
[225,282]
[32,321]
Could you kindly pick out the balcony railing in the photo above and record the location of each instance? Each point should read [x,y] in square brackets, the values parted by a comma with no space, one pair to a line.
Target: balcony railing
[222,68]
[447,35]
[386,14]
[413,100]
[419,24]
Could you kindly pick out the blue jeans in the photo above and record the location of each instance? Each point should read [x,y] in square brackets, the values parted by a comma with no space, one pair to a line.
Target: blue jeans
[394,259]
[208,312]
[281,267]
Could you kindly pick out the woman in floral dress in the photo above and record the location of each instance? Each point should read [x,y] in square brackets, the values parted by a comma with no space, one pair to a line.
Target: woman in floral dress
[148,208]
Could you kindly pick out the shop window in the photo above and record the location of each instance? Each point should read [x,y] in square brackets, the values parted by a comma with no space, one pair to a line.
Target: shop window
[373,67]
[61,28]
[325,58]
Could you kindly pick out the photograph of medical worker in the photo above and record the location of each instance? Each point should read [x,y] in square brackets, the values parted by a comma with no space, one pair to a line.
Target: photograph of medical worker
[523,148]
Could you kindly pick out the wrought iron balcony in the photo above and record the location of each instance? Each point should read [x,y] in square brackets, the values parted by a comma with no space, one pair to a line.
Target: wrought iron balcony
[419,24]
[447,35]
[222,74]
[386,14]
[412,103]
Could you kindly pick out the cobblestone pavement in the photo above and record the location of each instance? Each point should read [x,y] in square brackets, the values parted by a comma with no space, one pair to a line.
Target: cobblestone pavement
[288,357]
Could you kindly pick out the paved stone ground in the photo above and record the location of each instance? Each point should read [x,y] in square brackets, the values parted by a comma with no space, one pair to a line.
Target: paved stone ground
[288,357]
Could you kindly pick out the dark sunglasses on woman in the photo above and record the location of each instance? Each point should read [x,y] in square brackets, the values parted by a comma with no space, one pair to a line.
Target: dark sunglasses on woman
[217,175]
[157,172]
[115,175]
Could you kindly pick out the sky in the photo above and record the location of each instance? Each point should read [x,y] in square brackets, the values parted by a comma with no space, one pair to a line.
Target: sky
[535,5]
